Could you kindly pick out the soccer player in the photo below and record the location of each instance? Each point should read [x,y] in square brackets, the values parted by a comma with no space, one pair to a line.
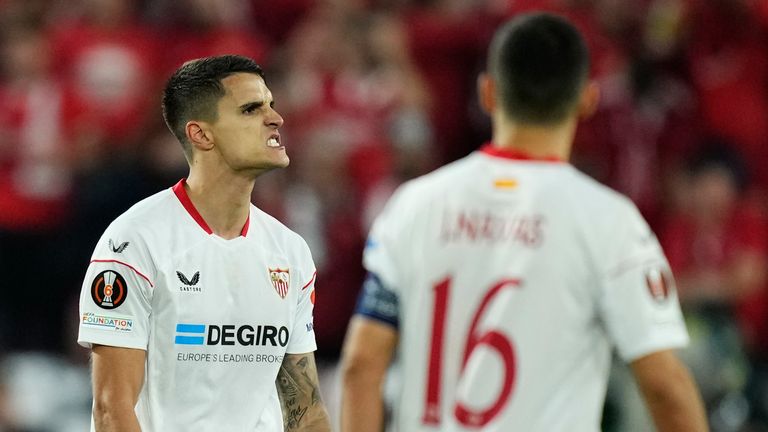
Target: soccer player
[500,283]
[197,305]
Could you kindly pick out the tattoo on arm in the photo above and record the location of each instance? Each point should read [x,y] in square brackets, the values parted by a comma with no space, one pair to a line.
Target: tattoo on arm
[298,389]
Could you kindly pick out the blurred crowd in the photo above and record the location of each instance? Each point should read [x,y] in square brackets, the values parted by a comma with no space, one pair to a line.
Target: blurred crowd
[375,92]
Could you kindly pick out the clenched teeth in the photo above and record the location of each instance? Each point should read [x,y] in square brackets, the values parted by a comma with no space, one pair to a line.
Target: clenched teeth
[273,142]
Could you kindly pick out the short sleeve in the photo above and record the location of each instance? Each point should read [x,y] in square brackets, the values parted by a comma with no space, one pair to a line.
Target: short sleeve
[380,256]
[378,302]
[303,335]
[115,300]
[638,301]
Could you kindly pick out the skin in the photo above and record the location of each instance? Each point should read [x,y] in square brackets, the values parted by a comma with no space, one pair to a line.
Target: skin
[299,392]
[368,350]
[228,154]
[666,386]
[116,390]
[669,393]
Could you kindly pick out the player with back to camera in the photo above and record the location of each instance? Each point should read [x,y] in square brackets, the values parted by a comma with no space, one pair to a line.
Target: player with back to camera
[197,305]
[500,283]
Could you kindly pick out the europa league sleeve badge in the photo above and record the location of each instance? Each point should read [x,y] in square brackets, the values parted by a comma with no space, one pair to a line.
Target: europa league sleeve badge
[109,289]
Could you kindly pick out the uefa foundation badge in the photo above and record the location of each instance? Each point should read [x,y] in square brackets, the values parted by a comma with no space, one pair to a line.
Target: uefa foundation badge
[281,280]
[109,289]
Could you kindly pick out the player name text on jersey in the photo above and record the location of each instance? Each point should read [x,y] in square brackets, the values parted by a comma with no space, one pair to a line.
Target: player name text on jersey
[484,226]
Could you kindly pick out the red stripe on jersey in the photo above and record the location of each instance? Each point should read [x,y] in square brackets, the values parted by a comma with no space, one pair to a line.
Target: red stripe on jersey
[509,153]
[244,231]
[181,194]
[127,265]
[310,281]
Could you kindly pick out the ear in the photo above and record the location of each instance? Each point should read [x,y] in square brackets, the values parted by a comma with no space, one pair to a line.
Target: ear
[486,91]
[589,100]
[199,135]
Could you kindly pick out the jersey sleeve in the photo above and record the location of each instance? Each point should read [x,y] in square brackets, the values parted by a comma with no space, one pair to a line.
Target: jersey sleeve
[115,300]
[638,301]
[382,258]
[378,302]
[383,253]
[303,334]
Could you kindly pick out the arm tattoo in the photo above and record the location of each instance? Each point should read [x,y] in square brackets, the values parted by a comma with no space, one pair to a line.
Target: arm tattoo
[297,387]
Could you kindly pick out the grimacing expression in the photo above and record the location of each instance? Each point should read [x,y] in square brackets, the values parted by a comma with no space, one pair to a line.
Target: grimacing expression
[246,131]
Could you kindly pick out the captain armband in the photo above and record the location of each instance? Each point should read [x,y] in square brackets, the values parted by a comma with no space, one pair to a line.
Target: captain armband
[378,302]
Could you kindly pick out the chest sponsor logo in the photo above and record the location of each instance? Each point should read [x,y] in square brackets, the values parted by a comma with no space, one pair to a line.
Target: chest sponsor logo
[118,248]
[109,289]
[281,280]
[231,335]
[189,285]
[106,322]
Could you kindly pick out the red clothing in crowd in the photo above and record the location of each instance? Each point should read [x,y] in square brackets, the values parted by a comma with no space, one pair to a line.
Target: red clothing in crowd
[446,50]
[689,250]
[729,70]
[36,153]
[113,70]
[181,46]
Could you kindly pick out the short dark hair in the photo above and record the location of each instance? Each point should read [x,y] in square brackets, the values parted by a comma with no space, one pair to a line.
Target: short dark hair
[540,63]
[193,91]
[717,153]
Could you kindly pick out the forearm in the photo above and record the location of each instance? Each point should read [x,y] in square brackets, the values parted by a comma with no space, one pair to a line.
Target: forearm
[678,414]
[303,415]
[676,406]
[367,353]
[316,420]
[299,393]
[116,390]
[362,406]
[115,418]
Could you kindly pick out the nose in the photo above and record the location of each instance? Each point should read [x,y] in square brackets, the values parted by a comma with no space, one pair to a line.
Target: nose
[274,119]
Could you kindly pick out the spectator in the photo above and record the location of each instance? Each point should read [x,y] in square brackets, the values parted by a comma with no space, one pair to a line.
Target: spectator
[729,70]
[109,58]
[39,119]
[717,246]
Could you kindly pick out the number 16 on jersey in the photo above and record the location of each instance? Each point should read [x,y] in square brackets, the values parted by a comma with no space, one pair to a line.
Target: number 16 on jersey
[492,339]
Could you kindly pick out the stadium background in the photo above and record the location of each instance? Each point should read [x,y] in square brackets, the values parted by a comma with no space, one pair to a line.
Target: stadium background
[374,92]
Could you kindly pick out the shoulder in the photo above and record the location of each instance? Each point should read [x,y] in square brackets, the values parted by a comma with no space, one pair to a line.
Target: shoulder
[597,198]
[422,190]
[150,214]
[278,231]
[136,236]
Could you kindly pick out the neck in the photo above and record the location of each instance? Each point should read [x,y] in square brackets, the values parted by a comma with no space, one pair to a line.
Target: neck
[222,200]
[537,141]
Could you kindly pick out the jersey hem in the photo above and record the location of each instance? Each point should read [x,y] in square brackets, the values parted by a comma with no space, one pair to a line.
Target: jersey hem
[379,318]
[680,340]
[309,348]
[89,340]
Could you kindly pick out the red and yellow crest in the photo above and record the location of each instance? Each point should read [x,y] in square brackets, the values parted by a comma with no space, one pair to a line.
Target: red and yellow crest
[281,280]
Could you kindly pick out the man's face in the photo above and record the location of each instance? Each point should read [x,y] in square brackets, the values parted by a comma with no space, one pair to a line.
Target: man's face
[246,131]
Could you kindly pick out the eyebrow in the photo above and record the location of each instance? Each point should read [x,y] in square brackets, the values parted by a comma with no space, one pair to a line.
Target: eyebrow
[254,104]
[249,105]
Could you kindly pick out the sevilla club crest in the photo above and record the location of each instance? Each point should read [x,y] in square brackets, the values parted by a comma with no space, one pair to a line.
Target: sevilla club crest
[281,280]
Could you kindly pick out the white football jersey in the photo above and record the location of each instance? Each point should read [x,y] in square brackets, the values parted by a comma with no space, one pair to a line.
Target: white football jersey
[215,316]
[514,279]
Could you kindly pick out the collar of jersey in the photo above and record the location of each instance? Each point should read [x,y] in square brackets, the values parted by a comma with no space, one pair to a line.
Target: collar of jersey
[507,153]
[181,194]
